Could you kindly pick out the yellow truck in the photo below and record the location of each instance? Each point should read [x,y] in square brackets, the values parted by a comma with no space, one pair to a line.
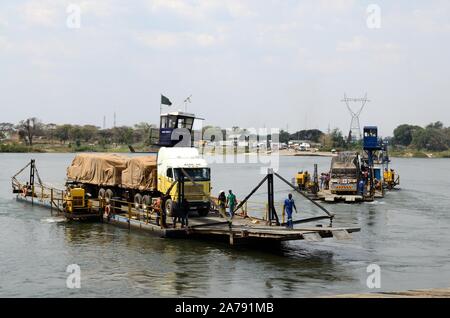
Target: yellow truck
[179,176]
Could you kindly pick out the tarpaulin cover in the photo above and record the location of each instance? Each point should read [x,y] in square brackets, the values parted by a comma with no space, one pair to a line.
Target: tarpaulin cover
[140,173]
[99,169]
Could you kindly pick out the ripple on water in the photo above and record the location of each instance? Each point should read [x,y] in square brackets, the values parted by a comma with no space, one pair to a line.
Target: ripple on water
[406,233]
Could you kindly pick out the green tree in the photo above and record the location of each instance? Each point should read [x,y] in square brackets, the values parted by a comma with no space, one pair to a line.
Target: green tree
[433,139]
[88,133]
[62,132]
[105,136]
[436,125]
[403,134]
[122,135]
[313,135]
[75,134]
[337,138]
[284,136]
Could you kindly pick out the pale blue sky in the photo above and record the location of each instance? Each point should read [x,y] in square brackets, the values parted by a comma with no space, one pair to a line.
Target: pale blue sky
[246,63]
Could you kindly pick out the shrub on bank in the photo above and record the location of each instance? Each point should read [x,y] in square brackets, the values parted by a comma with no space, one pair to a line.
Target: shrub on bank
[13,148]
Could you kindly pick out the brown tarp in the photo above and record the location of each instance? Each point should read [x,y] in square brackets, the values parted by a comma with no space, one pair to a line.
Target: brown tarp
[100,169]
[140,173]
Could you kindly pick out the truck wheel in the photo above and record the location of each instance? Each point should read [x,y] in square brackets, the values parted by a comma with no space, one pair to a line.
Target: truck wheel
[101,193]
[147,201]
[203,212]
[169,207]
[108,195]
[137,200]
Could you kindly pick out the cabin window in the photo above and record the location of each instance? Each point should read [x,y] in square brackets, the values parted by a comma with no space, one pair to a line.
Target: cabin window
[169,173]
[172,122]
[370,133]
[188,123]
[163,122]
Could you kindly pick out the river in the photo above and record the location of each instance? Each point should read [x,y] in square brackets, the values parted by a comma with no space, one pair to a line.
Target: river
[407,234]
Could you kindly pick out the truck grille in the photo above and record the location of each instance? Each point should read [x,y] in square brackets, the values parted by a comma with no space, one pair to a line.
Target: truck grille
[77,201]
[194,192]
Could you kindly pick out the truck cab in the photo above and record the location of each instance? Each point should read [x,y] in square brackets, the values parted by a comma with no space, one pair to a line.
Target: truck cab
[184,174]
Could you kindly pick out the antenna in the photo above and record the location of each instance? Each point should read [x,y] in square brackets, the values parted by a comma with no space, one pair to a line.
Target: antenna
[187,100]
[114,119]
[355,128]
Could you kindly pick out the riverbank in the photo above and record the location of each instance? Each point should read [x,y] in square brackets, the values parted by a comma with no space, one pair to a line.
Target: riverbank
[46,148]
[414,293]
[418,154]
[71,148]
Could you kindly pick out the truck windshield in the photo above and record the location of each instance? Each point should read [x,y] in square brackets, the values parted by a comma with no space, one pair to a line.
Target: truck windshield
[196,174]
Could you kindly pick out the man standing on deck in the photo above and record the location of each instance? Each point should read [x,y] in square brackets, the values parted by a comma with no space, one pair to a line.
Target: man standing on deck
[288,205]
[231,202]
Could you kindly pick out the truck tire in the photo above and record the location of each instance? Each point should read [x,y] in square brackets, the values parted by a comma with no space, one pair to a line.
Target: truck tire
[203,212]
[137,200]
[147,201]
[108,195]
[101,193]
[168,207]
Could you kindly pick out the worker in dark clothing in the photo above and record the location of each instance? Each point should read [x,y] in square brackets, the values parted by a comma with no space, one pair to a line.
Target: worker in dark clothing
[222,202]
[288,207]
[185,213]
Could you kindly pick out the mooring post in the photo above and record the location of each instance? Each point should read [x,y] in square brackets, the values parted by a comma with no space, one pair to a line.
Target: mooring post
[270,202]
[316,180]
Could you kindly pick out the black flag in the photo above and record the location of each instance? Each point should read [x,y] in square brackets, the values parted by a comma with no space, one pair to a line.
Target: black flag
[165,100]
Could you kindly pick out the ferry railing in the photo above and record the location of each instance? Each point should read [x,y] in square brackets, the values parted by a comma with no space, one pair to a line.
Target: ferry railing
[133,211]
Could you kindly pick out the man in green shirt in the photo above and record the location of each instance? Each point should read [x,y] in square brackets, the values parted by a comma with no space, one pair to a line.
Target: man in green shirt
[231,202]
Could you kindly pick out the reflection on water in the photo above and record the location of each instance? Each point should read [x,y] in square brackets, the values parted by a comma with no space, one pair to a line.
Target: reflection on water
[407,234]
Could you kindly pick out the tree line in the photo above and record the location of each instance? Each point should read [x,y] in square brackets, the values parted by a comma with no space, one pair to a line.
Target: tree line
[433,137]
[32,129]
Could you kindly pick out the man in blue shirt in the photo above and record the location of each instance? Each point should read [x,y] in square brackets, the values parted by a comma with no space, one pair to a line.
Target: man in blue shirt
[288,205]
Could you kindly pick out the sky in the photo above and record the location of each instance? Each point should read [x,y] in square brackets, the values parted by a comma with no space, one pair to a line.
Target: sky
[248,63]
